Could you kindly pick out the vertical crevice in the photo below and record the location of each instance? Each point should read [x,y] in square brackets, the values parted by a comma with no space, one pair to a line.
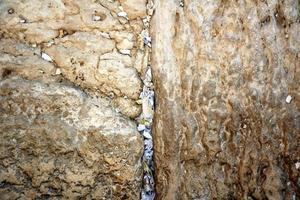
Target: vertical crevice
[146,117]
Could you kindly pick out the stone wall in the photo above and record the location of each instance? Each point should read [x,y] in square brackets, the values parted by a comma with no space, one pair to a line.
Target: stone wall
[226,79]
[227,120]
[70,78]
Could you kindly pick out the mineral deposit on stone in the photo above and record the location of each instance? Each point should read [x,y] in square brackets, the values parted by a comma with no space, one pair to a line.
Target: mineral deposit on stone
[223,70]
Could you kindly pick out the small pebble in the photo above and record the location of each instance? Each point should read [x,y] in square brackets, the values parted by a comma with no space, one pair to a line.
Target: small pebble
[46,57]
[297,165]
[288,99]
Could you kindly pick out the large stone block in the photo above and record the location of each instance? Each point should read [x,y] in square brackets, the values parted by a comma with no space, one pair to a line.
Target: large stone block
[57,142]
[227,76]
[90,42]
[69,81]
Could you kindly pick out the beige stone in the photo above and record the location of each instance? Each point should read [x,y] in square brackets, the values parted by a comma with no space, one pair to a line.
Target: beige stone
[134,8]
[61,139]
[67,100]
[50,17]
[119,79]
[128,107]
[222,71]
[18,58]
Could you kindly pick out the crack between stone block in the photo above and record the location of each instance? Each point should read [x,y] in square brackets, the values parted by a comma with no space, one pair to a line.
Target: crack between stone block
[146,117]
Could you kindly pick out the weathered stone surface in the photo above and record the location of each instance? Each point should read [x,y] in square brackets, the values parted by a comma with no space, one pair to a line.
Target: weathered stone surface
[88,41]
[69,81]
[134,8]
[128,107]
[18,58]
[79,57]
[58,142]
[224,127]
[41,21]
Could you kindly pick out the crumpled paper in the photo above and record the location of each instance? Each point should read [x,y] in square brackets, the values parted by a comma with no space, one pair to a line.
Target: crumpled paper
[144,127]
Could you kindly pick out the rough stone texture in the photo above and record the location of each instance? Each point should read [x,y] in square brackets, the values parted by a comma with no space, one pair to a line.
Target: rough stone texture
[223,70]
[17,58]
[69,80]
[88,41]
[58,142]
[134,8]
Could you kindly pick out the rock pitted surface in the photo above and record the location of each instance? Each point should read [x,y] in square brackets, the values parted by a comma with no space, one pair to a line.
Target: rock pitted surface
[227,118]
[69,81]
[58,142]
[96,45]
[226,76]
